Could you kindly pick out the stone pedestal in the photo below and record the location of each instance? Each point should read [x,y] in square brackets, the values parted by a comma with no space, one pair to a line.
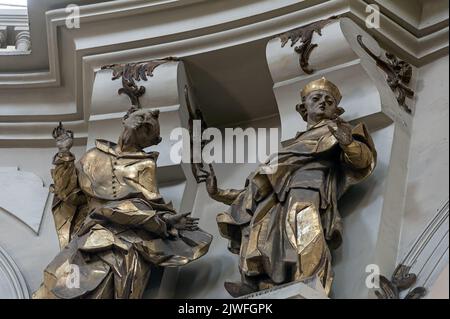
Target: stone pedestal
[308,289]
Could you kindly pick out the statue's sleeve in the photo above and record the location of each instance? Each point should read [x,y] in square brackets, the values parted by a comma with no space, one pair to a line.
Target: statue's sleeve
[68,197]
[226,196]
[360,154]
[360,158]
[260,188]
[64,176]
[136,214]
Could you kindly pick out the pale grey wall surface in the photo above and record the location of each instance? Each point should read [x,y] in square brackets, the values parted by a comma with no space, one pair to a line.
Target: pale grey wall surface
[31,252]
[361,209]
[428,171]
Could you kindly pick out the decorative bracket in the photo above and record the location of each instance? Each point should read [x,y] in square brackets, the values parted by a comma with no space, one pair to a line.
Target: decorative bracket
[401,280]
[132,72]
[399,74]
[141,71]
[304,35]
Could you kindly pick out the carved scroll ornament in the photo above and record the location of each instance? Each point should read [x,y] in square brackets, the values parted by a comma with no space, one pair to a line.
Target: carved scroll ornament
[399,74]
[132,72]
[141,71]
[401,280]
[305,35]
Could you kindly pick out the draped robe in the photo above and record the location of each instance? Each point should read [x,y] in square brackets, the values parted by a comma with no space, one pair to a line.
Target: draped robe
[109,217]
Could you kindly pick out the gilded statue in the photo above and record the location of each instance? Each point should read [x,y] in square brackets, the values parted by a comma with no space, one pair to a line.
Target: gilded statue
[285,222]
[113,224]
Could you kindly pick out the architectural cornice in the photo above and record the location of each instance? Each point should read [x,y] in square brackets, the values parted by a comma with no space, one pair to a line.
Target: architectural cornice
[75,55]
[390,27]
[422,24]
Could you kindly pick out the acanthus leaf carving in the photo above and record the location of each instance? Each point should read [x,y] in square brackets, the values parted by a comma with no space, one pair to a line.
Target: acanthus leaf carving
[304,35]
[399,74]
[132,72]
[401,280]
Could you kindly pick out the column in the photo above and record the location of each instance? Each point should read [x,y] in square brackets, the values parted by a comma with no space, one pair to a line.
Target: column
[23,41]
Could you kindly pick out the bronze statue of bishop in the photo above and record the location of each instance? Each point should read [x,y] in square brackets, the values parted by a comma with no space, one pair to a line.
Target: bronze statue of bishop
[285,221]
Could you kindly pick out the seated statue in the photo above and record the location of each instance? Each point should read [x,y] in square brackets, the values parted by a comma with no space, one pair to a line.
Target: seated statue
[112,223]
[285,221]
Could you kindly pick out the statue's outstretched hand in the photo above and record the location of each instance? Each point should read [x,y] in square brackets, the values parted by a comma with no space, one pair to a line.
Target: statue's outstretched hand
[209,177]
[183,222]
[343,133]
[63,137]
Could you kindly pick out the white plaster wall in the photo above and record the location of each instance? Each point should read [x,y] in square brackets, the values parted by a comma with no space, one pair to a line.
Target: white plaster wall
[428,167]
[439,290]
[31,252]
[361,209]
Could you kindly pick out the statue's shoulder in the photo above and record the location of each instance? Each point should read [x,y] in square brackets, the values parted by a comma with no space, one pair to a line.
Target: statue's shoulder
[315,132]
[360,129]
[101,150]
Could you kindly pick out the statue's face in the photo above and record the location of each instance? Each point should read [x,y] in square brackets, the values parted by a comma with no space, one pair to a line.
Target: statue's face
[320,105]
[145,125]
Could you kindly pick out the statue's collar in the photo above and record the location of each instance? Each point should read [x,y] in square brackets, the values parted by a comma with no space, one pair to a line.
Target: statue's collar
[320,124]
[315,126]
[113,149]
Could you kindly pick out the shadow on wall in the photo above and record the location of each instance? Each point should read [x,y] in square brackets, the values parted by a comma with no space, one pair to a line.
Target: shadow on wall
[200,273]
[361,209]
[236,83]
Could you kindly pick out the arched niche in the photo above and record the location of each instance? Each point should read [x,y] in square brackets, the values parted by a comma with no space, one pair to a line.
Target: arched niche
[12,282]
